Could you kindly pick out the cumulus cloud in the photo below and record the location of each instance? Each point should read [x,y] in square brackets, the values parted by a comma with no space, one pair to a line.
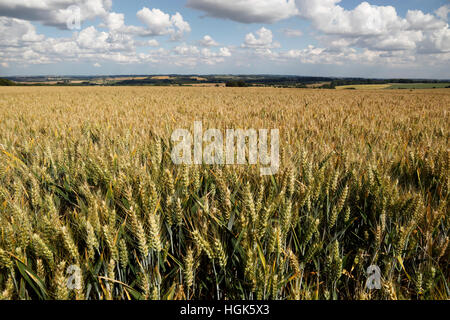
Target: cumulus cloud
[375,27]
[313,55]
[247,11]
[181,26]
[152,43]
[344,56]
[365,34]
[116,22]
[21,44]
[16,32]
[159,23]
[91,38]
[420,21]
[208,41]
[367,27]
[225,52]
[365,19]
[53,12]
[262,39]
[436,42]
[192,55]
[184,50]
[443,12]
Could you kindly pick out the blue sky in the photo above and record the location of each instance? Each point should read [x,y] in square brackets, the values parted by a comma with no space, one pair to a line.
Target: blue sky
[377,38]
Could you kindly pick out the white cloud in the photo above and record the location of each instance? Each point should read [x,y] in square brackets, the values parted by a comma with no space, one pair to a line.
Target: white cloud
[436,42]
[347,56]
[184,50]
[377,28]
[153,43]
[262,39]
[225,52]
[16,32]
[311,54]
[115,21]
[20,43]
[90,38]
[191,55]
[53,12]
[398,41]
[340,57]
[365,19]
[366,34]
[247,11]
[181,26]
[292,33]
[4,64]
[208,41]
[266,53]
[419,21]
[159,23]
[211,58]
[443,12]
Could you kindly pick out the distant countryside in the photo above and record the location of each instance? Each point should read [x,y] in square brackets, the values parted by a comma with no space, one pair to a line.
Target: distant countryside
[281,81]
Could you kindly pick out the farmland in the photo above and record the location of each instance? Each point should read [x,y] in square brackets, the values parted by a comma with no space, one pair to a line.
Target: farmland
[419,85]
[365,87]
[87,183]
[395,86]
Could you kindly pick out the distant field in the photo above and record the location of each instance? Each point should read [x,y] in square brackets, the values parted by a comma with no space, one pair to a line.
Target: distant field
[419,85]
[161,77]
[38,82]
[208,84]
[316,85]
[364,86]
[395,86]
[123,78]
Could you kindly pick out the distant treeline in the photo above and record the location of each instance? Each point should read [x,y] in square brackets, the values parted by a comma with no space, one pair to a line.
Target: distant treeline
[161,82]
[229,80]
[239,83]
[234,81]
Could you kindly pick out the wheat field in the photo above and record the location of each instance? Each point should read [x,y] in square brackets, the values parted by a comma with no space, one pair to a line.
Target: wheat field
[87,182]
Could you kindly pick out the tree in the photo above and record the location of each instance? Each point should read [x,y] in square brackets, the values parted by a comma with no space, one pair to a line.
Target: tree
[6,82]
[239,83]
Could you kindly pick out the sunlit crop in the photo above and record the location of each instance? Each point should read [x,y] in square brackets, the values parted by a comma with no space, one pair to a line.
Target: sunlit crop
[86,180]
